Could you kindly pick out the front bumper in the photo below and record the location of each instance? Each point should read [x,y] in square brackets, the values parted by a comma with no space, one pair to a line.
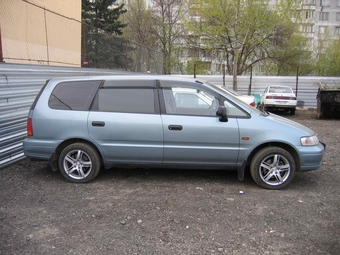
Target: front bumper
[311,157]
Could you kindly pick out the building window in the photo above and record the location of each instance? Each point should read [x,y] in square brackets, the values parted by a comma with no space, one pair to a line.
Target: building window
[322,30]
[325,2]
[309,2]
[338,16]
[309,14]
[337,30]
[307,29]
[338,2]
[323,16]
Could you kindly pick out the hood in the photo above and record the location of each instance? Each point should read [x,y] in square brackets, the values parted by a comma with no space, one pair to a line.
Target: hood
[290,123]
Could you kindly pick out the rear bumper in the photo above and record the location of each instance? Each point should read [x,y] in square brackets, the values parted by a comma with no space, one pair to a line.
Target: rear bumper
[280,106]
[39,149]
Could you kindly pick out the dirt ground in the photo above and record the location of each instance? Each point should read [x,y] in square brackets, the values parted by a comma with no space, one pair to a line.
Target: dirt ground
[177,212]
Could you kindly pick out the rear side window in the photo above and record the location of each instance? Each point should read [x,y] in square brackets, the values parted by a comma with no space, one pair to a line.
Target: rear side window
[75,95]
[129,100]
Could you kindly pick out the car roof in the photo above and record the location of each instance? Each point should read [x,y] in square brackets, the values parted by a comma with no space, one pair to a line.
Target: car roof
[125,77]
[279,86]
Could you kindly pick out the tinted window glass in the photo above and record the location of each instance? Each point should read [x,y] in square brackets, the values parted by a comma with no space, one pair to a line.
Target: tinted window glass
[77,95]
[134,100]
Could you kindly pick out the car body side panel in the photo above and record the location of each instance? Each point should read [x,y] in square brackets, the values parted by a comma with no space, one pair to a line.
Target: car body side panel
[202,140]
[127,137]
[49,128]
[290,134]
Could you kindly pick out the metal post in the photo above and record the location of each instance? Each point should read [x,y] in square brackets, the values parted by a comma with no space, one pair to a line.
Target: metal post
[194,69]
[1,54]
[46,37]
[126,55]
[251,79]
[297,81]
[83,45]
[223,71]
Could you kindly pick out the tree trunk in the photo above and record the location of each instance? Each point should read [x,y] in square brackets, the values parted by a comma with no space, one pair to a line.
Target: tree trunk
[235,63]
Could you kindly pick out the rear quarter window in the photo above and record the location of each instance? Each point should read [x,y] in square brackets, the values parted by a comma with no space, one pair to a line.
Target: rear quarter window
[75,95]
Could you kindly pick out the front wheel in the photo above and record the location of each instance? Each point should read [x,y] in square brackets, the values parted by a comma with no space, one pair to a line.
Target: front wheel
[273,168]
[79,162]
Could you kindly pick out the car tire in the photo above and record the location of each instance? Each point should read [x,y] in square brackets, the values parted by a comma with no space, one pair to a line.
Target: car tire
[79,162]
[292,111]
[273,168]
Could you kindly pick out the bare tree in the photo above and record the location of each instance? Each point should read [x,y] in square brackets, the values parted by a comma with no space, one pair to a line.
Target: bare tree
[246,31]
[138,30]
[167,28]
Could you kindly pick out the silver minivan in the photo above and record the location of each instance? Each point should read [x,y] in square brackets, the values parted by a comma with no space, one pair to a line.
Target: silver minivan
[80,124]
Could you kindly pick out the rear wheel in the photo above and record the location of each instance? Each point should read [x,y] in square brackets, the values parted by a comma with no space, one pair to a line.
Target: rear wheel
[79,162]
[292,111]
[273,168]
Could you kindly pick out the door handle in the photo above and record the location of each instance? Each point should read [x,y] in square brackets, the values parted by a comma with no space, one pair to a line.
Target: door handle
[175,127]
[98,123]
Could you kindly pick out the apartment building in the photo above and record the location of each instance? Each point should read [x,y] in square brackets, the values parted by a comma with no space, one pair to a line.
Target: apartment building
[319,20]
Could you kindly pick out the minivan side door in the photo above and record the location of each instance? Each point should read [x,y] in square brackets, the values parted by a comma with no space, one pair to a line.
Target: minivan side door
[193,133]
[125,122]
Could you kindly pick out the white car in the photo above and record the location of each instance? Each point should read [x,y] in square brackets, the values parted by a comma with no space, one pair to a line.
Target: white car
[277,97]
[247,99]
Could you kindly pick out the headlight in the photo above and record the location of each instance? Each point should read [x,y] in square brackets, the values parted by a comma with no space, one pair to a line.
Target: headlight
[309,140]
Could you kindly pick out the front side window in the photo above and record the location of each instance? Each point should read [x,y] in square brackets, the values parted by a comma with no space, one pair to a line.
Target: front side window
[128,100]
[182,99]
[74,95]
[189,101]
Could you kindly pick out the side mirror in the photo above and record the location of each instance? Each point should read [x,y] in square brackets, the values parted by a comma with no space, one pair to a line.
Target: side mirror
[222,112]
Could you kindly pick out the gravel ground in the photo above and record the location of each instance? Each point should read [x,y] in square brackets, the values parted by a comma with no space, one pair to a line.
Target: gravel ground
[173,211]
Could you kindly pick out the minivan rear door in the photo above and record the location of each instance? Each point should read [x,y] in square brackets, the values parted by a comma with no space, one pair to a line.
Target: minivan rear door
[125,122]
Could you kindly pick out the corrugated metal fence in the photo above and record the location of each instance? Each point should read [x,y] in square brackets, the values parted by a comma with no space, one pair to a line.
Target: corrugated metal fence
[19,85]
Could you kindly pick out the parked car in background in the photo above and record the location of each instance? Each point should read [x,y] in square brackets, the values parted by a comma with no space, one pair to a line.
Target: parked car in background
[247,99]
[80,124]
[277,97]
